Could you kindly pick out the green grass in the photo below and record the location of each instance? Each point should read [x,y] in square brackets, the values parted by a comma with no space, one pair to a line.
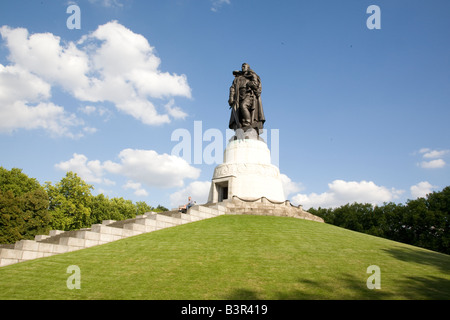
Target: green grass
[237,257]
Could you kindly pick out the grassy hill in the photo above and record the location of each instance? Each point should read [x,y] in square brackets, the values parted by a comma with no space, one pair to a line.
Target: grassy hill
[237,257]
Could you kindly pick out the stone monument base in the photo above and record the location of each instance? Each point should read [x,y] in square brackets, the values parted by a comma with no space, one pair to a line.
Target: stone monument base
[247,183]
[265,207]
[246,172]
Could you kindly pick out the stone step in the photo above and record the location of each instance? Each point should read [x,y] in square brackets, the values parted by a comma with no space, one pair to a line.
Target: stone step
[6,261]
[27,245]
[195,215]
[53,233]
[77,242]
[121,223]
[58,235]
[202,212]
[221,209]
[101,237]
[139,227]
[184,218]
[124,233]
[22,255]
[30,245]
[107,222]
[10,254]
[87,235]
[41,237]
[164,218]
[158,223]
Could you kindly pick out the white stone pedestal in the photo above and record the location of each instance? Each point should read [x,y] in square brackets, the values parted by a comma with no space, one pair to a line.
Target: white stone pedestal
[246,172]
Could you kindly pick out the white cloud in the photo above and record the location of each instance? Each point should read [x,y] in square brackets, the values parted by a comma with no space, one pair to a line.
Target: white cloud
[90,130]
[137,187]
[110,64]
[153,169]
[128,74]
[421,189]
[430,154]
[433,164]
[43,55]
[88,109]
[175,111]
[142,167]
[24,105]
[100,111]
[437,155]
[216,4]
[342,192]
[290,186]
[19,84]
[107,3]
[424,150]
[198,190]
[47,116]
[89,171]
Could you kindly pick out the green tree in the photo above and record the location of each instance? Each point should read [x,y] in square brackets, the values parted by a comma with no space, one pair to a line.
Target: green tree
[160,208]
[101,209]
[389,217]
[350,216]
[423,222]
[327,214]
[143,207]
[12,222]
[125,208]
[439,203]
[23,207]
[70,202]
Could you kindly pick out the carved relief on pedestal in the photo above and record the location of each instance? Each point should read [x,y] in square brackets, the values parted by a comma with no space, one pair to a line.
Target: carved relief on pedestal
[234,169]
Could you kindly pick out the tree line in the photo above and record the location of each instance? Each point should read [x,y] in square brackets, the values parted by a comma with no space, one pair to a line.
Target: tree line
[28,208]
[423,222]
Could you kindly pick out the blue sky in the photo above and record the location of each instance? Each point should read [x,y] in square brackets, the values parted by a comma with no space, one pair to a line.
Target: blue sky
[353,114]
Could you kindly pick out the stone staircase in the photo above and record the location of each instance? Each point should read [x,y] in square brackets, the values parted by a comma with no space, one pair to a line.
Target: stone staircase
[57,242]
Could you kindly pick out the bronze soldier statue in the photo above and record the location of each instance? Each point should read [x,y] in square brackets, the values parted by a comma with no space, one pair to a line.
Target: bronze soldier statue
[245,101]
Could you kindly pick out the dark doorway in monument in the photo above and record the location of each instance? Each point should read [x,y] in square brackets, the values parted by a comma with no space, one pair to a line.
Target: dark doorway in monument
[222,191]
